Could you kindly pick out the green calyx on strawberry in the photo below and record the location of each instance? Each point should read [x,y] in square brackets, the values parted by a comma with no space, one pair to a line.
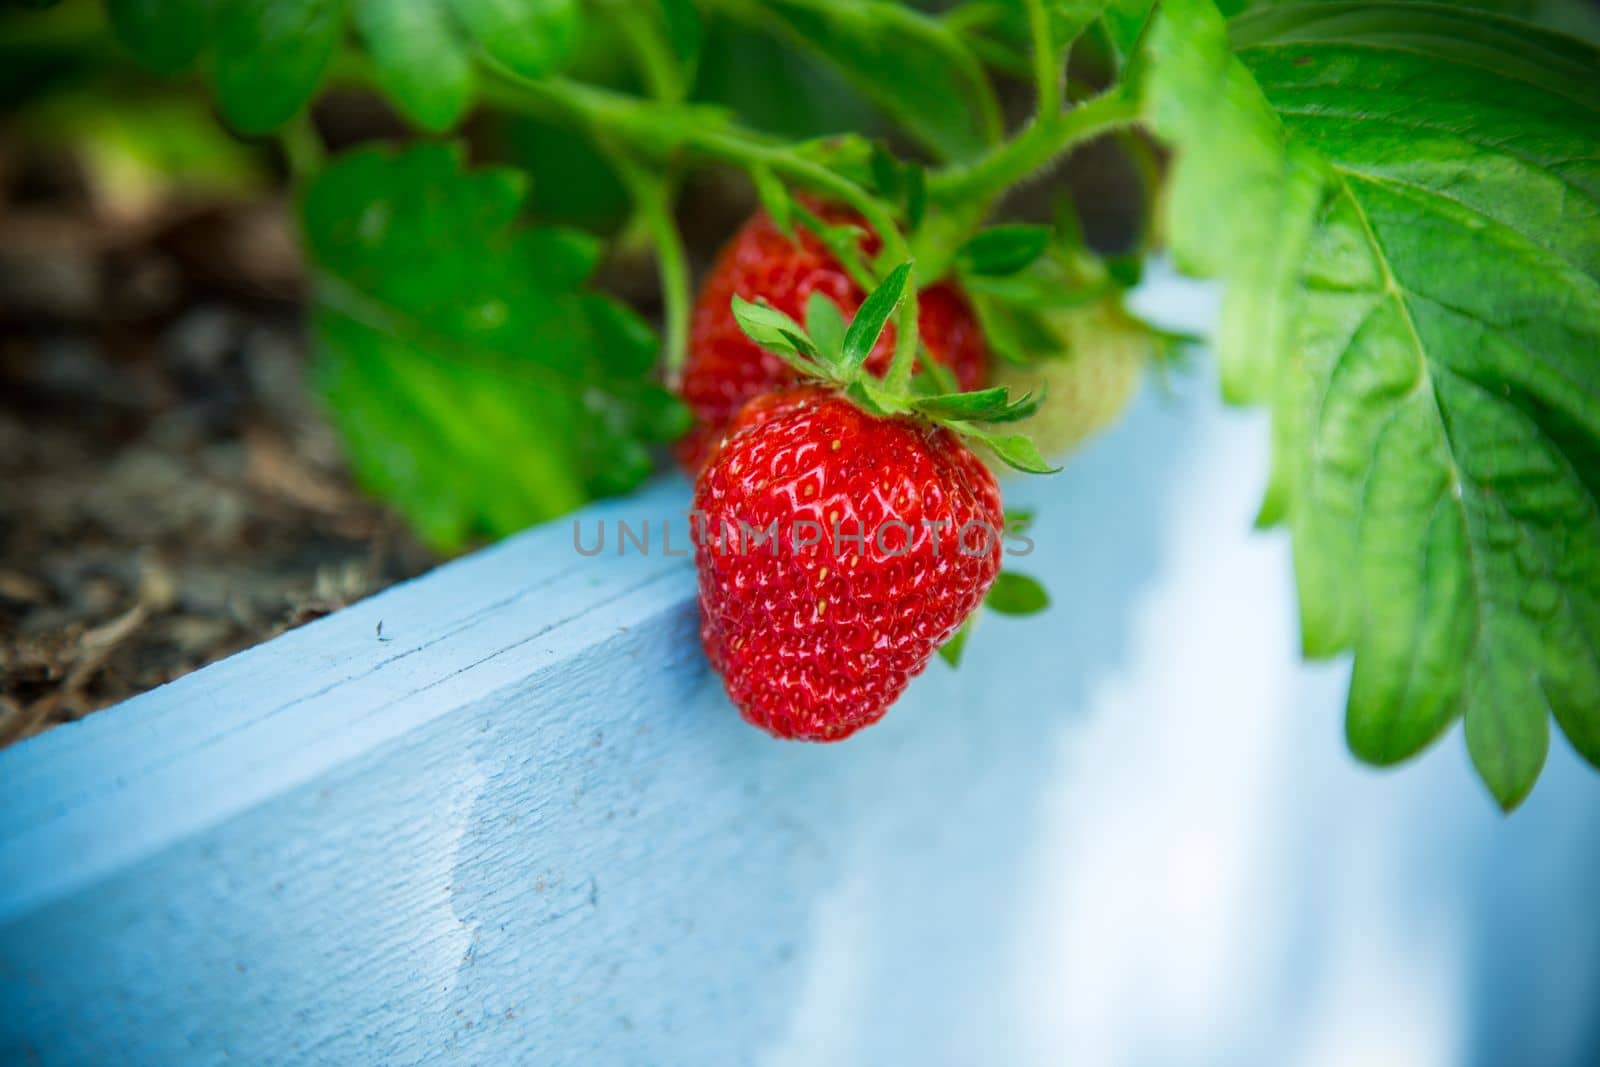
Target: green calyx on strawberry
[785,255]
[845,532]
[826,350]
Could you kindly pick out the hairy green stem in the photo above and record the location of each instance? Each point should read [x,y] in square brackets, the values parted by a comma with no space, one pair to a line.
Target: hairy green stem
[652,198]
[1046,60]
[654,194]
[1040,143]
[645,126]
[844,248]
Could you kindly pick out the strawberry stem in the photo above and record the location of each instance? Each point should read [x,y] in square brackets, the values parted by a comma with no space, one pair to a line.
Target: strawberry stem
[1040,143]
[652,198]
[1046,59]
[906,340]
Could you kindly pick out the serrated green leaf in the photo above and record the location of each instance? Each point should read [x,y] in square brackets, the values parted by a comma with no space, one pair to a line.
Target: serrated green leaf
[873,315]
[825,324]
[531,37]
[1016,594]
[1405,206]
[910,65]
[1002,250]
[267,57]
[421,60]
[476,383]
[165,35]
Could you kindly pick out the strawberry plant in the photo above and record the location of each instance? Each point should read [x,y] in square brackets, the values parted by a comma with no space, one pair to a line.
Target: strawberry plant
[1400,200]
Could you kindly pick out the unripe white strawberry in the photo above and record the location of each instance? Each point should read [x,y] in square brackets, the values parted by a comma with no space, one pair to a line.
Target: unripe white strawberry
[1089,382]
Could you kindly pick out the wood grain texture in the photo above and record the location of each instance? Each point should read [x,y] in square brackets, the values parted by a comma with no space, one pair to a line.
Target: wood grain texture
[528,828]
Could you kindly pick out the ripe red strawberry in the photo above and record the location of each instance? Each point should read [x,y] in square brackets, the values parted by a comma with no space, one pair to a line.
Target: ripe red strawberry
[886,537]
[725,368]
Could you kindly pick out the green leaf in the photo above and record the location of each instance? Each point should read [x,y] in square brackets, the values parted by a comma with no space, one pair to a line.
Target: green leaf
[477,384]
[165,35]
[916,196]
[532,37]
[777,333]
[980,405]
[1019,520]
[873,315]
[1002,250]
[269,56]
[825,324]
[1124,21]
[910,65]
[1014,449]
[951,650]
[1016,594]
[422,62]
[1005,29]
[682,21]
[1404,203]
[885,171]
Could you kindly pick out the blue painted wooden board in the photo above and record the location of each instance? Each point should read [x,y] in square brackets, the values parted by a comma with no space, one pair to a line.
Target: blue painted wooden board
[527,828]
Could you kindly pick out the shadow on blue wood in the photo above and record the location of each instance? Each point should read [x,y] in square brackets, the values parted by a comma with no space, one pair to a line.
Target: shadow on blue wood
[528,828]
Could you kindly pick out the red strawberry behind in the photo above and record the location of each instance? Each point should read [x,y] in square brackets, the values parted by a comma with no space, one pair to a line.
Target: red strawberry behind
[886,537]
[725,368]
[844,530]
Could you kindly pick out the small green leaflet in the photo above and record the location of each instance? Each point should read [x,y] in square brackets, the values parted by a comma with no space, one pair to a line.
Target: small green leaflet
[532,37]
[477,384]
[778,334]
[422,61]
[1016,594]
[1014,449]
[825,323]
[1002,250]
[981,405]
[267,57]
[1404,205]
[775,199]
[873,315]
[1019,520]
[901,183]
[951,650]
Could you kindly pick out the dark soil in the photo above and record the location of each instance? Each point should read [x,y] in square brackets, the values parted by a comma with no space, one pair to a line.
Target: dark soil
[169,493]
